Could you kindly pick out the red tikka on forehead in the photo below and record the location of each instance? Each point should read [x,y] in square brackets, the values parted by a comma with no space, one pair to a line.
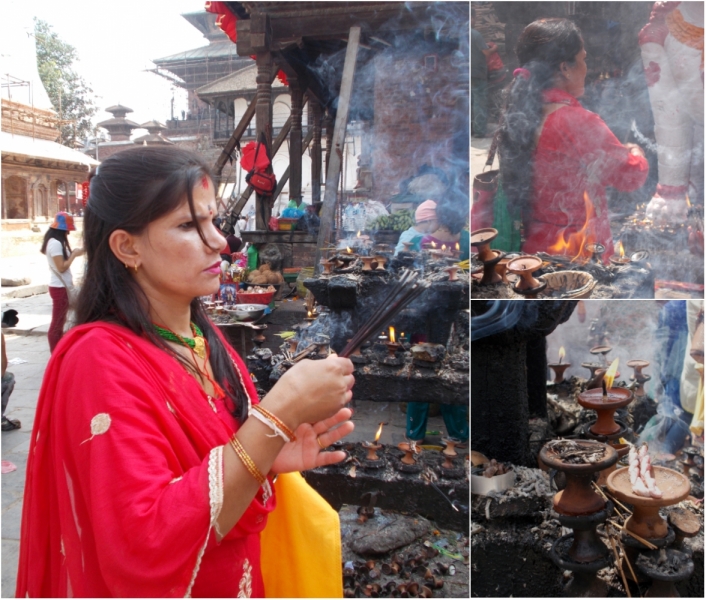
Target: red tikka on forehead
[204,182]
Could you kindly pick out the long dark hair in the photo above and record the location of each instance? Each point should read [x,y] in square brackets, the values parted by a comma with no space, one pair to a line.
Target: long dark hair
[128,191]
[541,48]
[61,236]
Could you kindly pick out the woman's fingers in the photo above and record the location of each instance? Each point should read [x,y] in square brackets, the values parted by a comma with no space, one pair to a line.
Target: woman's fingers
[330,458]
[342,415]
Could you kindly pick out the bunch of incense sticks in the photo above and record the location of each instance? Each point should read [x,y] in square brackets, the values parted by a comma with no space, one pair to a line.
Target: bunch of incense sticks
[407,288]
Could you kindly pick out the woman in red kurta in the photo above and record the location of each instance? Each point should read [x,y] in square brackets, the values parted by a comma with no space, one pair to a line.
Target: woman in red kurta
[146,477]
[556,158]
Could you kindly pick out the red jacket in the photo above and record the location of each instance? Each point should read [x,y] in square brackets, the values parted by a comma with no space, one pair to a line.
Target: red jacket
[576,155]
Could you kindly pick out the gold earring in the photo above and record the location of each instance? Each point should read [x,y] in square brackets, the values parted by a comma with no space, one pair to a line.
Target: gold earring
[125,265]
[135,267]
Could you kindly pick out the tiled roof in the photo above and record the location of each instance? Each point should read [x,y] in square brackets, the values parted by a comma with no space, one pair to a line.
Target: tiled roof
[216,49]
[27,146]
[244,79]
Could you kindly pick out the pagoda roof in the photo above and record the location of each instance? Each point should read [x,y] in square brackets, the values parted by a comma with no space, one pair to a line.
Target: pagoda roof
[118,121]
[153,125]
[152,138]
[119,108]
[217,49]
[43,149]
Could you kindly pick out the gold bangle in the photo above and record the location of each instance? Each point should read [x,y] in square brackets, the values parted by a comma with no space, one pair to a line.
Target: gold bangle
[276,421]
[247,461]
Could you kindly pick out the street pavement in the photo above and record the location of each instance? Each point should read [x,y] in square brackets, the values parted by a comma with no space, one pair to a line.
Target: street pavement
[27,342]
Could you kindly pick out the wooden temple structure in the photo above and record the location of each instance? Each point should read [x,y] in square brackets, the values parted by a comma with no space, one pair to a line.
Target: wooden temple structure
[316,48]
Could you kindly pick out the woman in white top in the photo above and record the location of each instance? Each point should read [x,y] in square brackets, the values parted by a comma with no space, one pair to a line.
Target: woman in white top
[59,256]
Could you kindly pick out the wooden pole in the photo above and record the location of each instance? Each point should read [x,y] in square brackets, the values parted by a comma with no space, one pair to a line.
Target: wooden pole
[315,110]
[263,126]
[295,141]
[333,168]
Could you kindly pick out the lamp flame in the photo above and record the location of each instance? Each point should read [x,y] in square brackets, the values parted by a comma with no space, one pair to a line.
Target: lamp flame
[379,433]
[574,244]
[443,247]
[688,202]
[610,374]
[308,313]
[458,246]
[621,250]
[391,330]
[348,250]
[562,354]
[433,244]
[358,234]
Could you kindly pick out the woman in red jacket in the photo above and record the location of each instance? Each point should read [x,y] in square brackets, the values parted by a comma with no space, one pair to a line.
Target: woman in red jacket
[556,158]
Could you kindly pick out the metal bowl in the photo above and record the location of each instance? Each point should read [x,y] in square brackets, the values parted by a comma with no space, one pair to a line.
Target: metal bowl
[246,312]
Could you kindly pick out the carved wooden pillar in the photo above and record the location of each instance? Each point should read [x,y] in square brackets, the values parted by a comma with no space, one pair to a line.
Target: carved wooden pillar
[295,141]
[315,111]
[263,124]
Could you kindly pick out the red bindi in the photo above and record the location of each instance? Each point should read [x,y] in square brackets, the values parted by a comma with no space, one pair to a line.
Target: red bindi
[204,182]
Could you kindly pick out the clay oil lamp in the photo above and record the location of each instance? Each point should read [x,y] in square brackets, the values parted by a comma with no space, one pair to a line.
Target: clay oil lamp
[449,453]
[605,402]
[596,251]
[639,257]
[368,262]
[645,520]
[328,265]
[524,266]
[310,316]
[407,246]
[410,450]
[578,497]
[373,447]
[219,307]
[592,367]
[559,367]
[638,377]
[481,239]
[619,260]
[380,260]
[453,273]
[601,352]
[456,250]
[392,345]
[665,567]
[209,306]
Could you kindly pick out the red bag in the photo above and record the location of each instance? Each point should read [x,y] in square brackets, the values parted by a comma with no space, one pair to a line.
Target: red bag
[262,183]
[494,62]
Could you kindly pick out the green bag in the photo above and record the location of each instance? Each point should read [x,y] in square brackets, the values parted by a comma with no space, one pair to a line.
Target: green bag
[508,225]
[252,257]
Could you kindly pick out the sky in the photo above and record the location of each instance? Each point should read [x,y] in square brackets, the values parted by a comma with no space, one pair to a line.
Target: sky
[116,43]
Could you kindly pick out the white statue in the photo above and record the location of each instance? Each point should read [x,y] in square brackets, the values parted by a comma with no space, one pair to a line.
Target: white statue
[672,45]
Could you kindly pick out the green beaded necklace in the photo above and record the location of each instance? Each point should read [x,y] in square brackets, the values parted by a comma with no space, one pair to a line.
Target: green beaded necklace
[197,343]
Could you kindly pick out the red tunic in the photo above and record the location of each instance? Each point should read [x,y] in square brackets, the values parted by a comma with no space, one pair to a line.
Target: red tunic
[576,155]
[124,480]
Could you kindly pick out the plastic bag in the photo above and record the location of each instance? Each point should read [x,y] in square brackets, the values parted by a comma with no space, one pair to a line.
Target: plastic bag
[665,432]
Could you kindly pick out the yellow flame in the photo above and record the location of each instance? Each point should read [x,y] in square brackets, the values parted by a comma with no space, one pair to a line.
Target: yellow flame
[348,250]
[392,334]
[688,202]
[377,435]
[610,374]
[402,334]
[308,313]
[458,246]
[562,354]
[433,245]
[358,234]
[620,249]
[443,246]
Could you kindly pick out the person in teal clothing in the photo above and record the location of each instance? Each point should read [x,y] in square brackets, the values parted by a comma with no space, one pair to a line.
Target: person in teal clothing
[455,419]
[424,223]
[451,217]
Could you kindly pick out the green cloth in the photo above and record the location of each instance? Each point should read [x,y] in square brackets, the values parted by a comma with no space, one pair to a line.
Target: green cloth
[508,225]
[465,245]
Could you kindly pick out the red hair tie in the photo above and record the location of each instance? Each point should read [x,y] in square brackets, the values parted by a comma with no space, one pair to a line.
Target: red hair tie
[522,73]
